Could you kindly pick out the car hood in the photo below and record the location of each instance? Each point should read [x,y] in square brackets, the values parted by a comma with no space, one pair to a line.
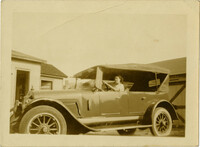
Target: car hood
[58,94]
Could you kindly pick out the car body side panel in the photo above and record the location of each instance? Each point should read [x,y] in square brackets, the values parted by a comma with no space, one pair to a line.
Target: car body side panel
[90,104]
[140,101]
[136,104]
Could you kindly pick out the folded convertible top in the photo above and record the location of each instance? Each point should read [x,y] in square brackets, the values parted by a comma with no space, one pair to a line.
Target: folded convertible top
[90,72]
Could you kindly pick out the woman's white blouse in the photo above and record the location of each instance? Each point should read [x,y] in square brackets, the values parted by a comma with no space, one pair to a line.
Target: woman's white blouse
[119,87]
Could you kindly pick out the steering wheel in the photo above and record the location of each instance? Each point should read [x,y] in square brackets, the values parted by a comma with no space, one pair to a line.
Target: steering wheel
[108,85]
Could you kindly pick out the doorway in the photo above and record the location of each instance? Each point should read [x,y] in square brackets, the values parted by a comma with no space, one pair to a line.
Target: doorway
[22,84]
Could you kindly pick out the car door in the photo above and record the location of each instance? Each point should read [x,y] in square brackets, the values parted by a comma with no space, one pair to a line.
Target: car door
[113,103]
[139,101]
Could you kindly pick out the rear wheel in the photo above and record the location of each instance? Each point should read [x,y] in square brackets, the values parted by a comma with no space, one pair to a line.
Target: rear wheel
[126,131]
[161,122]
[43,120]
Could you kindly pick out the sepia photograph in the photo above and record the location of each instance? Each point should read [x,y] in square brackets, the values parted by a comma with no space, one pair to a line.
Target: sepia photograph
[99,73]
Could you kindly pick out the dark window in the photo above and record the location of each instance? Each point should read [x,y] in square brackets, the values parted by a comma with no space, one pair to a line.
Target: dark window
[144,81]
[46,85]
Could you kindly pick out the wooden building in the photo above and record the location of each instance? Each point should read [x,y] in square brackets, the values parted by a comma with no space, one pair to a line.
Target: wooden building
[28,72]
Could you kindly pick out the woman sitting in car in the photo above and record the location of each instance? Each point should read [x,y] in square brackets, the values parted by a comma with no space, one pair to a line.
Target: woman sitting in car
[117,85]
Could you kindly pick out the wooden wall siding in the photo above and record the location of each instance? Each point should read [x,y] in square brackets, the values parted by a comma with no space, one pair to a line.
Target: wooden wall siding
[177,78]
[177,96]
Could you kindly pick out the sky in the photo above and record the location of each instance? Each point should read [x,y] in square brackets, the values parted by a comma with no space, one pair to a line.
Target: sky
[74,36]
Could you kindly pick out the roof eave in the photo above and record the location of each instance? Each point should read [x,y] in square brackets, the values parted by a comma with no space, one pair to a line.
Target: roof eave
[30,60]
[53,76]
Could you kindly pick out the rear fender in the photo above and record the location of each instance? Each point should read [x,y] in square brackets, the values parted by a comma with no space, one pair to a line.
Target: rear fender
[147,119]
[74,125]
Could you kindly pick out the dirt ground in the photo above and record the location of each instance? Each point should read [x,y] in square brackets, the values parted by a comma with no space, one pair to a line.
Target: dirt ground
[176,132]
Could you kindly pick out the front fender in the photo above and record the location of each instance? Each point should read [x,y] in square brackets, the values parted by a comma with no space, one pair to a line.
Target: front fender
[45,101]
[147,119]
[74,125]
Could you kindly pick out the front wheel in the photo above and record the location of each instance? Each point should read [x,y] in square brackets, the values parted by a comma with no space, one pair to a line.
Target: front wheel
[43,120]
[126,132]
[161,122]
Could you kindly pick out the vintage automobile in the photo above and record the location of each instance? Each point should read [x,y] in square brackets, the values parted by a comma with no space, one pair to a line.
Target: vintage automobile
[92,105]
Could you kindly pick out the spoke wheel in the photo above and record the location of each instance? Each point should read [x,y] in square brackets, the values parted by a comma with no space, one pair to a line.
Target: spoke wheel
[43,120]
[126,132]
[161,122]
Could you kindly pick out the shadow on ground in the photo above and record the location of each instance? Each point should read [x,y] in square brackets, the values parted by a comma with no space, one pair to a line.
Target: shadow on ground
[176,132]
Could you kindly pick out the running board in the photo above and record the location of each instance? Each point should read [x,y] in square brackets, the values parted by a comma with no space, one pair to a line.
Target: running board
[124,128]
[113,120]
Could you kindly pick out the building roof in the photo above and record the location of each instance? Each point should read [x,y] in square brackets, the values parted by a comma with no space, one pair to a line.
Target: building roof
[176,66]
[50,70]
[46,69]
[22,56]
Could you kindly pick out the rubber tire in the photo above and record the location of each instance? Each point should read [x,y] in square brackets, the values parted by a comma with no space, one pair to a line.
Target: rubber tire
[126,132]
[23,127]
[155,114]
